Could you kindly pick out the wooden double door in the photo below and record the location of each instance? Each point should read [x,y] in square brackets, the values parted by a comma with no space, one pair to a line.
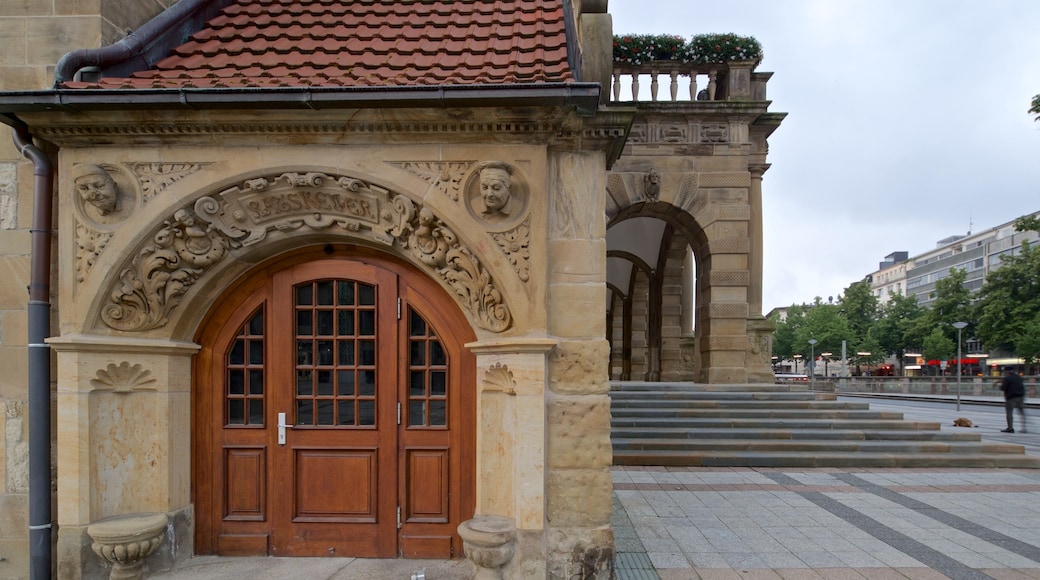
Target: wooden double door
[334,415]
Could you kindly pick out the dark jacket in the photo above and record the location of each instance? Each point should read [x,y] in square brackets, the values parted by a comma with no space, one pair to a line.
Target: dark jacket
[1012,386]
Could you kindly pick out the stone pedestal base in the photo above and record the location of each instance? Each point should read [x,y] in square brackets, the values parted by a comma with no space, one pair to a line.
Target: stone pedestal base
[125,542]
[489,542]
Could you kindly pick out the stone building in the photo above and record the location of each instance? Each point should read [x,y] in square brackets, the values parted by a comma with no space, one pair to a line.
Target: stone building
[331,278]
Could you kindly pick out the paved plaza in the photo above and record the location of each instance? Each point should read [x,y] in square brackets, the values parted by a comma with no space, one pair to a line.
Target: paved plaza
[688,523]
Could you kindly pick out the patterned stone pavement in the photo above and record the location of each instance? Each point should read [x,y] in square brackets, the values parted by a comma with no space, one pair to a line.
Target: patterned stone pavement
[721,523]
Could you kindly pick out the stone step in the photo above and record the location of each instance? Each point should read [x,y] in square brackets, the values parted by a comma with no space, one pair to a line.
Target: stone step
[734,404]
[706,396]
[783,426]
[793,434]
[814,445]
[704,388]
[716,458]
[763,413]
[771,423]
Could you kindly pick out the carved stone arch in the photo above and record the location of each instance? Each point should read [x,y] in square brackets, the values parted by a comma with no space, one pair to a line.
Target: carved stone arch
[213,237]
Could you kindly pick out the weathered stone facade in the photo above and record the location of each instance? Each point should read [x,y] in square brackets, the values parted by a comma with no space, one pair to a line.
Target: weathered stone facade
[203,197]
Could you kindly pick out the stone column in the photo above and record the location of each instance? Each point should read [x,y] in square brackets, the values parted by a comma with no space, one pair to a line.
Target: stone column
[124,440]
[755,257]
[580,542]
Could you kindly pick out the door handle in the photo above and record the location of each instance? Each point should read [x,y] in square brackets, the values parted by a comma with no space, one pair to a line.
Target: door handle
[281,428]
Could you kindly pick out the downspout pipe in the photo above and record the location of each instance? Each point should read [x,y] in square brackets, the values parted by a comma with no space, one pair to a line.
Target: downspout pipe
[39,314]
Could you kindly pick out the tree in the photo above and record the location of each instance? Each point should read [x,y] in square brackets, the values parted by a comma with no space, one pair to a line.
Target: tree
[937,346]
[824,323]
[952,303]
[859,306]
[784,335]
[1035,108]
[1009,302]
[899,326]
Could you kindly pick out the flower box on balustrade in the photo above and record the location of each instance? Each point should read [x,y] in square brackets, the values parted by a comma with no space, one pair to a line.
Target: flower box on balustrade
[731,81]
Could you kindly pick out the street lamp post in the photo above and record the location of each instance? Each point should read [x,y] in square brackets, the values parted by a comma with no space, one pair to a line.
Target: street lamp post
[812,364]
[959,326]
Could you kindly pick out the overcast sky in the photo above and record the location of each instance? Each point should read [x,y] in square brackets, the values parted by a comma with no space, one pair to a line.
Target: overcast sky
[906,124]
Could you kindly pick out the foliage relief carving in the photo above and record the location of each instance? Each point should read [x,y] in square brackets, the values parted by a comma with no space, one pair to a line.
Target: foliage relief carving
[445,176]
[156,177]
[147,292]
[515,243]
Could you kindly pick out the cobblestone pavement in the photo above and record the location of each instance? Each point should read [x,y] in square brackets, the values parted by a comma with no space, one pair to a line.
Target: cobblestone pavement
[689,523]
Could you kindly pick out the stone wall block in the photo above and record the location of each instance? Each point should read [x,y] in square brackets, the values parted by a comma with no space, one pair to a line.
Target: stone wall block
[75,32]
[579,432]
[577,310]
[585,553]
[577,367]
[729,278]
[16,432]
[579,497]
[14,272]
[577,261]
[15,519]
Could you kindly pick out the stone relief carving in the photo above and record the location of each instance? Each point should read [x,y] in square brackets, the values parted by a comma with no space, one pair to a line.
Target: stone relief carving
[445,176]
[673,133]
[124,378]
[687,190]
[148,291]
[89,245]
[515,243]
[100,197]
[637,134]
[652,185]
[154,178]
[498,377]
[714,133]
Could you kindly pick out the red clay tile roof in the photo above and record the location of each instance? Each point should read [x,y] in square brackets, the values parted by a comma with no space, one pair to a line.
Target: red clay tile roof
[351,43]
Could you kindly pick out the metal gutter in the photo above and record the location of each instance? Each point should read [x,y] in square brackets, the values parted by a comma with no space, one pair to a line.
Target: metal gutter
[143,47]
[39,314]
[583,96]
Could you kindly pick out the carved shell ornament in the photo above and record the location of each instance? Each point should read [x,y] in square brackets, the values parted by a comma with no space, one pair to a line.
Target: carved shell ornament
[124,378]
[147,291]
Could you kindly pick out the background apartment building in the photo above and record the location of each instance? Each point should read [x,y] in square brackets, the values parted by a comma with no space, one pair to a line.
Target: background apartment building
[977,254]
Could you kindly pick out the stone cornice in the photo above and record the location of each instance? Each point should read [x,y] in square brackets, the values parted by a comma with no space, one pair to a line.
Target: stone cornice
[121,344]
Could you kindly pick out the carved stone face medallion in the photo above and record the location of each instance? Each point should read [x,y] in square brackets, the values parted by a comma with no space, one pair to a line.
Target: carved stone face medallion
[99,197]
[497,196]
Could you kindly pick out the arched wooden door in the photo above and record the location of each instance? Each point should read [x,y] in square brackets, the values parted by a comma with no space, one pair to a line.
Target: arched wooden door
[334,415]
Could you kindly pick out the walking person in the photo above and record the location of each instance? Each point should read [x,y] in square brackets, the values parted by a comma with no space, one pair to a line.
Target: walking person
[1014,398]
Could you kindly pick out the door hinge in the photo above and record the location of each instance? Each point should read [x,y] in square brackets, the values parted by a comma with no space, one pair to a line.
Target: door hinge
[399,308]
[399,413]
[399,517]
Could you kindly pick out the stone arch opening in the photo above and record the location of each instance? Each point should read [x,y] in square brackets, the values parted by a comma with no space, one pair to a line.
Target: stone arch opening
[650,290]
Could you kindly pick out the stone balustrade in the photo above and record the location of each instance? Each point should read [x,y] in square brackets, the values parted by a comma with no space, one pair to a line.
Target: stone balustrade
[685,81]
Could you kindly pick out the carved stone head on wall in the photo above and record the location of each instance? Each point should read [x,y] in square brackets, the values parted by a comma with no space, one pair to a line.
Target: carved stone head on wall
[499,199]
[99,196]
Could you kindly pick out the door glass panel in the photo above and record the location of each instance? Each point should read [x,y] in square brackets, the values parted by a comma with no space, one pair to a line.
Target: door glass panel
[336,375]
[244,375]
[427,376]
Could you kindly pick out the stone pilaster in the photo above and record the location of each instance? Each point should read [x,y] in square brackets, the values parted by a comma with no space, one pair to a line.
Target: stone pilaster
[124,438]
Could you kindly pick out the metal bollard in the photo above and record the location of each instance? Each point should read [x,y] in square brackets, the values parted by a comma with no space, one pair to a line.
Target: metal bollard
[419,575]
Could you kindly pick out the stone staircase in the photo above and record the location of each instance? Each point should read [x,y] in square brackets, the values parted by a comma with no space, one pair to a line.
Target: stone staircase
[783,426]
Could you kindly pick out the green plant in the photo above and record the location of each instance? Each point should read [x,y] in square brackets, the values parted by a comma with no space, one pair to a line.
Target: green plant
[700,49]
[634,48]
[722,48]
